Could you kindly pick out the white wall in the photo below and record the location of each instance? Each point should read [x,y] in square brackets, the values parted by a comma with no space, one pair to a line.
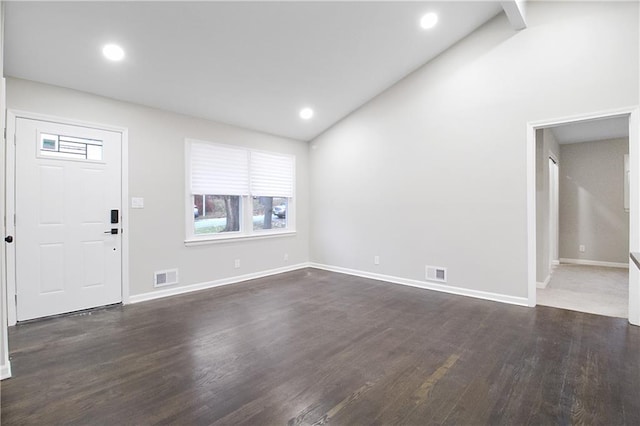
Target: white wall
[592,201]
[433,171]
[157,173]
[546,146]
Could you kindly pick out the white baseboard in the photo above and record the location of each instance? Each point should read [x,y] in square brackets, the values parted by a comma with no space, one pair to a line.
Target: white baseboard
[5,370]
[460,291]
[555,262]
[545,283]
[137,298]
[594,263]
[496,297]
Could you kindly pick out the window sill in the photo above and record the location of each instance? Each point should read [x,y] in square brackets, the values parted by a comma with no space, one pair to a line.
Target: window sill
[229,239]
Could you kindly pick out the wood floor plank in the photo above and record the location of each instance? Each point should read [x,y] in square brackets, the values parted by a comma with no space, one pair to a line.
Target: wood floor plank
[312,347]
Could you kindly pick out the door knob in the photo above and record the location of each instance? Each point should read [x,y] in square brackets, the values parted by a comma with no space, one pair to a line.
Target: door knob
[113,231]
[8,239]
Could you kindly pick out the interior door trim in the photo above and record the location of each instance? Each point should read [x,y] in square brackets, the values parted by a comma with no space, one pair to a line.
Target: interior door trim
[633,114]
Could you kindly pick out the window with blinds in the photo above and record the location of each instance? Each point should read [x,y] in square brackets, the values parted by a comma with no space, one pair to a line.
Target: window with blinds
[235,191]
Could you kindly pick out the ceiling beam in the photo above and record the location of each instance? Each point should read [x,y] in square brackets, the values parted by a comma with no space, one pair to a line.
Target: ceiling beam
[515,11]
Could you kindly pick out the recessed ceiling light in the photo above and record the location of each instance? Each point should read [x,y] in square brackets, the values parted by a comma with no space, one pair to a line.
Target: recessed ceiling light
[306,113]
[113,52]
[429,20]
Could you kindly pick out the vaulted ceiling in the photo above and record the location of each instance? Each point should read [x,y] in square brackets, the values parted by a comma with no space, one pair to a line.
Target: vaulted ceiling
[250,64]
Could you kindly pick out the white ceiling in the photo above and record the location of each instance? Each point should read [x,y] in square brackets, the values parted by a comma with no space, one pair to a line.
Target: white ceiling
[592,130]
[251,64]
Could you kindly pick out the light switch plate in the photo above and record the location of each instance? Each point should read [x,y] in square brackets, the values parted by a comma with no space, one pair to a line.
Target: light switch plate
[137,203]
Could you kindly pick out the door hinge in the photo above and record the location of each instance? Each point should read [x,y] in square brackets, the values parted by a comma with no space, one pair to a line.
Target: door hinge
[16,299]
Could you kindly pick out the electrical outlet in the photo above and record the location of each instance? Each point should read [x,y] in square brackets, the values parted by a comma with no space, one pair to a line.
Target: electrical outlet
[286,257]
[376,260]
[581,248]
[237,263]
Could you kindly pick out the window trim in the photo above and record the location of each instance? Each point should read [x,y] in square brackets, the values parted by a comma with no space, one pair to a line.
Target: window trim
[211,239]
[246,231]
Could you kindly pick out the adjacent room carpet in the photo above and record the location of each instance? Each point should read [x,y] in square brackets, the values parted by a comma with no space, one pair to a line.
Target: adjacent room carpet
[592,289]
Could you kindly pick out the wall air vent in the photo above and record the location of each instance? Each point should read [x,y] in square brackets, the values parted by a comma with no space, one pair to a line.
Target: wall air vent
[163,278]
[436,273]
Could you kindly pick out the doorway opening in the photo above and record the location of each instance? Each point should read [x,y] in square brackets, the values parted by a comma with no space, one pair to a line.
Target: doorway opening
[583,193]
[586,217]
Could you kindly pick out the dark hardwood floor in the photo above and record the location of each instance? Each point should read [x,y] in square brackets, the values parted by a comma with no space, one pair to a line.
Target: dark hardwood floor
[313,347]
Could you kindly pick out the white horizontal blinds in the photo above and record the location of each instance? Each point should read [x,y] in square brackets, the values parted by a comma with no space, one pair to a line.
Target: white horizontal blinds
[272,174]
[219,169]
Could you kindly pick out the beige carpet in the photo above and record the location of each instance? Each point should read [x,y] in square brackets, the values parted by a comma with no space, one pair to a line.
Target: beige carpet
[592,289]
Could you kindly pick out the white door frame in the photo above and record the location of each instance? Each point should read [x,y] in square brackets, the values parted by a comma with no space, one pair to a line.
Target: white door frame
[633,113]
[554,212]
[10,167]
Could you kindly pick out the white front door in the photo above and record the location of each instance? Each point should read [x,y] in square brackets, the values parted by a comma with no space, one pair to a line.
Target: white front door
[67,202]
